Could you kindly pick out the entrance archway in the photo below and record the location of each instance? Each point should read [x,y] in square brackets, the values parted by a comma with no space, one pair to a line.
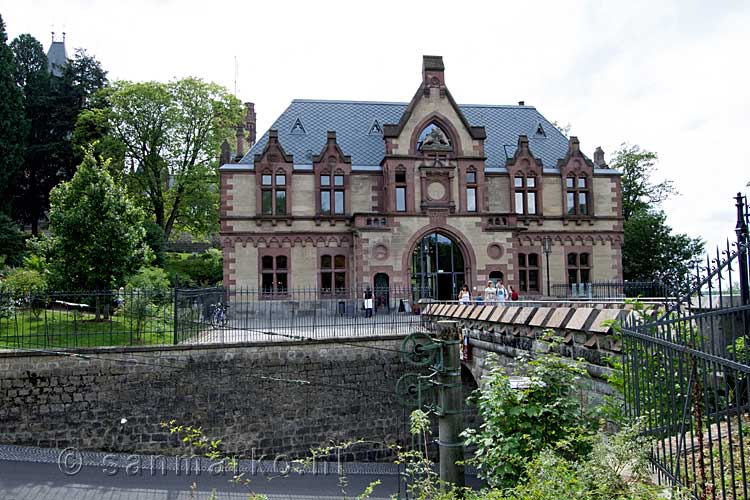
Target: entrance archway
[437,267]
[382,292]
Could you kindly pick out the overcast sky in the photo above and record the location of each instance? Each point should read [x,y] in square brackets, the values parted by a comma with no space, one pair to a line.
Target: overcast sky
[671,76]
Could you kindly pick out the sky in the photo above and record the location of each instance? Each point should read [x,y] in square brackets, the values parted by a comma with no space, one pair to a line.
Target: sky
[670,76]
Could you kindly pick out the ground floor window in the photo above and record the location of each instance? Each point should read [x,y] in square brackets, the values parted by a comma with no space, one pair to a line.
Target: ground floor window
[528,272]
[579,268]
[274,275]
[332,274]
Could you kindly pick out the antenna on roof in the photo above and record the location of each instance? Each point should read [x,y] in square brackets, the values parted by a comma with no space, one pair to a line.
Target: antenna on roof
[235,76]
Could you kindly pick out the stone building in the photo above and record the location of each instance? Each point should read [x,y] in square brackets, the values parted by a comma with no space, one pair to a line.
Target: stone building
[427,194]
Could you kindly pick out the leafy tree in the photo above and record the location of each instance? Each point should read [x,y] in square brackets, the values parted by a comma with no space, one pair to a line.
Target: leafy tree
[13,125]
[171,134]
[97,232]
[639,192]
[651,251]
[52,105]
[11,241]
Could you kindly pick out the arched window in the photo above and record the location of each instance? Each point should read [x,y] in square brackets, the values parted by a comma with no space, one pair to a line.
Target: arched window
[333,274]
[332,193]
[579,268]
[528,272]
[433,138]
[526,188]
[273,193]
[577,188]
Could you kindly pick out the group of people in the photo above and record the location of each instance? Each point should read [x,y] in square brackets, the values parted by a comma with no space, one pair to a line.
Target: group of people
[494,292]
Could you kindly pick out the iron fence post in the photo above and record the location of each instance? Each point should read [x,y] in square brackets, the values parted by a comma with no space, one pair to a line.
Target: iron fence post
[451,421]
[174,316]
[742,243]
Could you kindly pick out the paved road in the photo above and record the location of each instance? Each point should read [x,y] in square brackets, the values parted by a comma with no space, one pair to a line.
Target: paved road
[28,473]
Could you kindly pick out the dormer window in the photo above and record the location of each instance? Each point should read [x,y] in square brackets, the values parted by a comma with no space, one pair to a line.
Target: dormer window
[375,128]
[577,194]
[298,128]
[332,193]
[273,193]
[433,138]
[539,132]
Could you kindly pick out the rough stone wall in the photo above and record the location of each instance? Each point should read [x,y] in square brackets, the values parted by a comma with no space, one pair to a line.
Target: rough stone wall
[61,401]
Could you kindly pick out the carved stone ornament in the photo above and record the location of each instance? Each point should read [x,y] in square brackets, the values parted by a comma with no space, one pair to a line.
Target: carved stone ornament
[435,141]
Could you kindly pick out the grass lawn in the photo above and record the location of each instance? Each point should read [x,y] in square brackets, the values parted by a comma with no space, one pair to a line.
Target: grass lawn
[72,328]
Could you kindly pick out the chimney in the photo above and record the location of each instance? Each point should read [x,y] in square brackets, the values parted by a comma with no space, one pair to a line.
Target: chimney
[521,103]
[433,73]
[240,135]
[599,158]
[250,123]
[226,153]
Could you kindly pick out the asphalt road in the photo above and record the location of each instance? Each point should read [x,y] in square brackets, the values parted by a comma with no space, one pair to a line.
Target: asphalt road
[43,481]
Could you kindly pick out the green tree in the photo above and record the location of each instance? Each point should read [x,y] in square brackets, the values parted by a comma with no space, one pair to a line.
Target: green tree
[52,105]
[11,242]
[651,251]
[13,125]
[171,134]
[97,235]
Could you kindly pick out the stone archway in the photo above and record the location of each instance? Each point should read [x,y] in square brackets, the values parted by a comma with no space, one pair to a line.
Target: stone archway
[438,267]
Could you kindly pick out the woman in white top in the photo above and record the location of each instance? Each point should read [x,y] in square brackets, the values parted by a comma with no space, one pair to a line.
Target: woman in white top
[464,296]
[490,293]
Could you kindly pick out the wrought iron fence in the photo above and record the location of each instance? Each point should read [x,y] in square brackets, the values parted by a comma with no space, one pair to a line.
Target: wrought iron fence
[48,320]
[687,376]
[612,289]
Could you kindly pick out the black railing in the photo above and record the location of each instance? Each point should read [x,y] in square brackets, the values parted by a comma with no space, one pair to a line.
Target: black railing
[49,320]
[686,374]
[612,290]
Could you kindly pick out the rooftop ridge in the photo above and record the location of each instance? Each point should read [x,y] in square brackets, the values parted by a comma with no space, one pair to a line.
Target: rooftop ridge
[395,103]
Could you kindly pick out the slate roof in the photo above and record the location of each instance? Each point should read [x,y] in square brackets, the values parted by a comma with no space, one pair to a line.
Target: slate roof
[57,58]
[353,123]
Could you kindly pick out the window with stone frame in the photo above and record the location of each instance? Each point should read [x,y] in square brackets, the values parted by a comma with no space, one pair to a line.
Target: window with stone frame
[400,190]
[579,268]
[526,189]
[274,275]
[333,272]
[578,194]
[471,190]
[273,193]
[528,272]
[332,193]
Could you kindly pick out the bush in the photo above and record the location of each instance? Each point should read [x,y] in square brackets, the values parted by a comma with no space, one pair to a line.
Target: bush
[520,423]
[193,270]
[22,282]
[148,278]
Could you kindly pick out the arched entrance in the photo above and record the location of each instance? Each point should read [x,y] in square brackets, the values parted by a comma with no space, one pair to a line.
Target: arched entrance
[437,267]
[382,292]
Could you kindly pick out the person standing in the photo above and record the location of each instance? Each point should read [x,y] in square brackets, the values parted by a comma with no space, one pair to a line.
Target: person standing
[464,296]
[502,292]
[490,293]
[368,302]
[513,293]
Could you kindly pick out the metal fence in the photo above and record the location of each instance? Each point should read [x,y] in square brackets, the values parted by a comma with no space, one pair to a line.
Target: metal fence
[687,377]
[611,290]
[48,320]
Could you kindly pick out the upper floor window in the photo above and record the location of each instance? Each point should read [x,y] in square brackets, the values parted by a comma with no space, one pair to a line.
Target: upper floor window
[433,138]
[332,194]
[274,272]
[471,191]
[579,268]
[526,188]
[332,274]
[577,195]
[273,193]
[528,272]
[400,190]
